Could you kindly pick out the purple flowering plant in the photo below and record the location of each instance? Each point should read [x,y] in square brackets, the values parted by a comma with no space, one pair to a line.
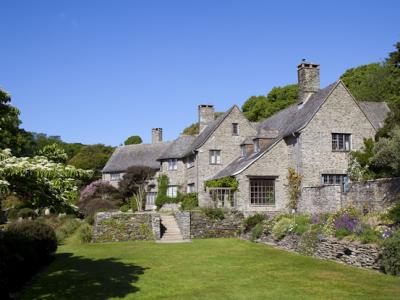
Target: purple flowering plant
[346,222]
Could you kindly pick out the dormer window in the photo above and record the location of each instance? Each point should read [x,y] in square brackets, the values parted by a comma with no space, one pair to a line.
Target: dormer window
[257,145]
[235,129]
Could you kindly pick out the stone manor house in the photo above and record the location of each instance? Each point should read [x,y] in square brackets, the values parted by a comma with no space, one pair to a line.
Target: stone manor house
[313,136]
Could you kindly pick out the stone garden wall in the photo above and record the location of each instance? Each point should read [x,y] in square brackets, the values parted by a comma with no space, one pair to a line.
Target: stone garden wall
[351,253]
[119,226]
[371,195]
[202,226]
[183,220]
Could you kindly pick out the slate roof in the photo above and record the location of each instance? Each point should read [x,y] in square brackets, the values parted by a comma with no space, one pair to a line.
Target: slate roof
[293,119]
[208,131]
[135,155]
[179,148]
[376,112]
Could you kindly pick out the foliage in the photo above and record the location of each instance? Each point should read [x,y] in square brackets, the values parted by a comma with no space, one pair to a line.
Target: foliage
[12,201]
[394,213]
[85,233]
[308,242]
[303,224]
[283,227]
[252,221]
[100,188]
[134,139]
[387,154]
[91,206]
[345,224]
[41,182]
[394,57]
[162,197]
[26,213]
[360,161]
[294,185]
[66,229]
[344,220]
[135,178]
[228,181]
[133,203]
[214,213]
[368,235]
[257,232]
[257,108]
[54,153]
[140,197]
[391,254]
[124,208]
[189,201]
[192,129]
[92,157]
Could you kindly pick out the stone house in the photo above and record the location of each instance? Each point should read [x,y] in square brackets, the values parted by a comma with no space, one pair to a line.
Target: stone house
[313,136]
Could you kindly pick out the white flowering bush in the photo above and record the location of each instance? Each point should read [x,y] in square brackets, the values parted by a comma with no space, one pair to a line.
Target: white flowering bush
[42,182]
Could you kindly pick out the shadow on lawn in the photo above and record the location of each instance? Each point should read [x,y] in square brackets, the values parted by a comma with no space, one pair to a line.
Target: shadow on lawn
[78,278]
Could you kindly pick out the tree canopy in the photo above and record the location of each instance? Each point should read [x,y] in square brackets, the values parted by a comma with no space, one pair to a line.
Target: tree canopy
[134,178]
[134,139]
[257,108]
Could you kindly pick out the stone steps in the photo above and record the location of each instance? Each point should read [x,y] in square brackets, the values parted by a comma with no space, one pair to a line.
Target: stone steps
[172,232]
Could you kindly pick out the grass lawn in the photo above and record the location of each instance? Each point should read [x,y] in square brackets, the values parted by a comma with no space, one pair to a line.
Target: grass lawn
[203,269]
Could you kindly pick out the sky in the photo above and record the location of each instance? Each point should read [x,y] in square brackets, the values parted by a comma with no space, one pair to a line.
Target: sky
[101,71]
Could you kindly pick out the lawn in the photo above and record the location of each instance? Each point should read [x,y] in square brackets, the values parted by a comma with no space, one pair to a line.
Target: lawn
[203,269]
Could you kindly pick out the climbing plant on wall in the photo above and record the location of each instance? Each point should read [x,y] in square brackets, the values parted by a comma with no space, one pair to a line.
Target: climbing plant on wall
[294,184]
[228,181]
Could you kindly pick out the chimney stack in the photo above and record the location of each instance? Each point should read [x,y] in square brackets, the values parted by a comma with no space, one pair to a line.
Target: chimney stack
[308,80]
[206,115]
[156,135]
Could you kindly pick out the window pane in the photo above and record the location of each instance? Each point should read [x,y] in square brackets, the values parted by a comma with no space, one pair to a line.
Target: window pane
[262,191]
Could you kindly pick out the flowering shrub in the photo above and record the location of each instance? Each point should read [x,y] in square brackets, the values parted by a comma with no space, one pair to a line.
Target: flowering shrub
[283,227]
[345,224]
[97,187]
[391,254]
[346,218]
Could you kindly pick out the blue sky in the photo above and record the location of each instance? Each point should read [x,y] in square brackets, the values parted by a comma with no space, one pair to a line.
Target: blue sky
[100,71]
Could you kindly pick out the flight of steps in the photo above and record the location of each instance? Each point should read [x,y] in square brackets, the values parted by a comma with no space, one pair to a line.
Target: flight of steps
[172,232]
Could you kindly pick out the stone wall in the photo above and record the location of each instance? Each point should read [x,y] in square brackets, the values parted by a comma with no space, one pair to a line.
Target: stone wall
[351,253]
[119,226]
[183,220]
[372,195]
[203,227]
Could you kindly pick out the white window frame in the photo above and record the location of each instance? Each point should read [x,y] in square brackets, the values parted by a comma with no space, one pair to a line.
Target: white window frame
[172,191]
[115,176]
[262,191]
[341,142]
[215,157]
[257,145]
[190,188]
[243,150]
[172,164]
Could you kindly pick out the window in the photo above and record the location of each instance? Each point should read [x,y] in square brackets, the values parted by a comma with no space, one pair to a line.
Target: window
[243,150]
[150,198]
[172,191]
[262,191]
[333,179]
[190,161]
[341,142]
[172,164]
[215,157]
[235,129]
[257,145]
[190,188]
[115,176]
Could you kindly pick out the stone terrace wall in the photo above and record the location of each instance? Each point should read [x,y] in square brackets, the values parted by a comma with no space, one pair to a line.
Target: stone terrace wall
[119,226]
[374,195]
[351,253]
[183,220]
[203,227]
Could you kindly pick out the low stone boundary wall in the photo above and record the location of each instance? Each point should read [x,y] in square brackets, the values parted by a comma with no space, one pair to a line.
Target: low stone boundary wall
[119,226]
[351,253]
[183,220]
[203,227]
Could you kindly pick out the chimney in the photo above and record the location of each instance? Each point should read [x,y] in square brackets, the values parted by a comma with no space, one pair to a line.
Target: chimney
[156,135]
[206,115]
[308,80]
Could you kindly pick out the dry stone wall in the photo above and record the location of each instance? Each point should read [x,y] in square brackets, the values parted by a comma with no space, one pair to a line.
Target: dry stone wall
[119,226]
[202,226]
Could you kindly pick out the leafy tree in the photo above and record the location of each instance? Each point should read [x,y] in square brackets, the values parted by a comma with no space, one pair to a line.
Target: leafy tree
[54,153]
[194,128]
[92,157]
[257,108]
[387,154]
[134,178]
[394,57]
[134,139]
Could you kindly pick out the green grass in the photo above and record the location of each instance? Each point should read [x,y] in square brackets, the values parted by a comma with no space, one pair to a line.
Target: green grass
[203,269]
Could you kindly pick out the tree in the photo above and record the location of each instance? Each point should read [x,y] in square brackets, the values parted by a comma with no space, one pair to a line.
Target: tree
[134,178]
[394,57]
[39,181]
[92,157]
[194,128]
[257,108]
[54,153]
[134,139]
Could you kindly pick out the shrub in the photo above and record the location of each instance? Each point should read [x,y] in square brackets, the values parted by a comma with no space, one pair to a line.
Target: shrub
[12,201]
[391,254]
[252,221]
[85,233]
[124,208]
[303,224]
[133,203]
[257,232]
[345,225]
[394,213]
[12,213]
[282,228]
[66,229]
[100,189]
[368,235]
[308,242]
[214,213]
[189,201]
[26,213]
[93,205]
